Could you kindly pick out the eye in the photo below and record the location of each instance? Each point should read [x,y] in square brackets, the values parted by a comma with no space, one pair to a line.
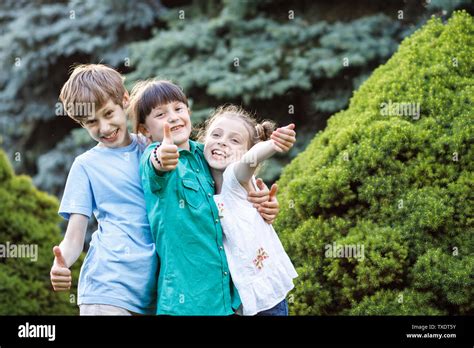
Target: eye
[215,135]
[160,114]
[108,114]
[235,141]
[179,109]
[90,122]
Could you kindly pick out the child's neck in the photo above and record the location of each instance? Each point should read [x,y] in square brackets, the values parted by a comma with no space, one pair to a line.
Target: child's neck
[218,176]
[184,146]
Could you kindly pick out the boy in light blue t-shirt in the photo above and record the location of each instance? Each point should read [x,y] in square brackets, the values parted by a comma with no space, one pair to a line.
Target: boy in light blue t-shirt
[118,276]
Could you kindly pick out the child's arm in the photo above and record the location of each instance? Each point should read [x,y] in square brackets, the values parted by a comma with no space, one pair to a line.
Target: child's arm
[68,252]
[281,141]
[245,168]
[284,139]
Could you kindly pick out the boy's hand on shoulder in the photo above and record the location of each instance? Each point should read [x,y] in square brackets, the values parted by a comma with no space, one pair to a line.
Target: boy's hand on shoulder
[258,197]
[60,273]
[284,138]
[168,152]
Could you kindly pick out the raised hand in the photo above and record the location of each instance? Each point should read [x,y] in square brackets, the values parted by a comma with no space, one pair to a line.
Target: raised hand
[60,273]
[284,138]
[168,152]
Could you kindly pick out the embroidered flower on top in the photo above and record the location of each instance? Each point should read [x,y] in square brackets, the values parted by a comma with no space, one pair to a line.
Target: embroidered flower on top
[220,207]
[261,255]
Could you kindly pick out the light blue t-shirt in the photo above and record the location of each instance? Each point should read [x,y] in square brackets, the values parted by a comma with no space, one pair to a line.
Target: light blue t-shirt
[120,268]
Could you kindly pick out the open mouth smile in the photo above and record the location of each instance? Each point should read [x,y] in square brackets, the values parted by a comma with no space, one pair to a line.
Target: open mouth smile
[176,128]
[111,137]
[218,154]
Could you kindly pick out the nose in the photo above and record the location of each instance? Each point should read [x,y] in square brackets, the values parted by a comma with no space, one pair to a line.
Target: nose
[221,143]
[104,127]
[172,117]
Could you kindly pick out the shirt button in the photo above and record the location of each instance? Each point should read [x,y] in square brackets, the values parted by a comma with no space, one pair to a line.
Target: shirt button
[221,247]
[217,220]
[225,273]
[209,195]
[197,170]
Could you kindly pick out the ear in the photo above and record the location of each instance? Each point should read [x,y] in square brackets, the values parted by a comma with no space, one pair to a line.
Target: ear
[142,128]
[126,100]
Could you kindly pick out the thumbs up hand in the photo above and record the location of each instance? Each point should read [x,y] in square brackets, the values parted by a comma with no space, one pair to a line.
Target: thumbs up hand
[284,138]
[269,210]
[167,153]
[167,136]
[273,192]
[265,201]
[60,273]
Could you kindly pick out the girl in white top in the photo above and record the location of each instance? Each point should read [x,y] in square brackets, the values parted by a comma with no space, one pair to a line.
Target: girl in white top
[260,268]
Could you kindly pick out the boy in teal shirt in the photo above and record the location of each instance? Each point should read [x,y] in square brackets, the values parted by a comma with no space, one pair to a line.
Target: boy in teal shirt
[194,277]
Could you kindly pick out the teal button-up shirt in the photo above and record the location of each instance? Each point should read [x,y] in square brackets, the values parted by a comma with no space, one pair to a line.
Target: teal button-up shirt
[194,277]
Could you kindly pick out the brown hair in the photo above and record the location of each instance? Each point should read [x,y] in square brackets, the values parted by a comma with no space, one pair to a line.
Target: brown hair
[146,95]
[93,84]
[257,131]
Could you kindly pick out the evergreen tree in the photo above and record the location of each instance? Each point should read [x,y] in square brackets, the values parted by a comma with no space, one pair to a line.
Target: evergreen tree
[292,60]
[40,41]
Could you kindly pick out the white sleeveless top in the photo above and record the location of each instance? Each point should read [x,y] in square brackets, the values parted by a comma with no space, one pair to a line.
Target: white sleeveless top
[260,268]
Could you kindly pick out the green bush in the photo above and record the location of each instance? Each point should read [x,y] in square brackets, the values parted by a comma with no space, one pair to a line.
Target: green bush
[28,220]
[398,185]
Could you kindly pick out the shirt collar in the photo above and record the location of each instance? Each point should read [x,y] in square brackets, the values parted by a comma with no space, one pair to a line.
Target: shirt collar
[194,147]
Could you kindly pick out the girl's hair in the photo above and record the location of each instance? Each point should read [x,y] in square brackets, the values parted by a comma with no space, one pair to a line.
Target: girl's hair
[148,94]
[257,131]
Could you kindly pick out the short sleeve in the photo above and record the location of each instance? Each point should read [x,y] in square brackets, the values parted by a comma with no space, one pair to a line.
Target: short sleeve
[78,197]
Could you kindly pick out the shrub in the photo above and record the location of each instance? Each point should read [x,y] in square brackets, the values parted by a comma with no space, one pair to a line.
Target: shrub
[400,186]
[28,220]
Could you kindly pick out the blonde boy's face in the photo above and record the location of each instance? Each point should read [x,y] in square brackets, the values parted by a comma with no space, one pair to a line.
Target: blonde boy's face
[108,125]
[227,141]
[176,114]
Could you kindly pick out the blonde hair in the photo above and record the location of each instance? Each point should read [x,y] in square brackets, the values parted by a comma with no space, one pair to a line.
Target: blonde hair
[257,131]
[93,84]
[148,94]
